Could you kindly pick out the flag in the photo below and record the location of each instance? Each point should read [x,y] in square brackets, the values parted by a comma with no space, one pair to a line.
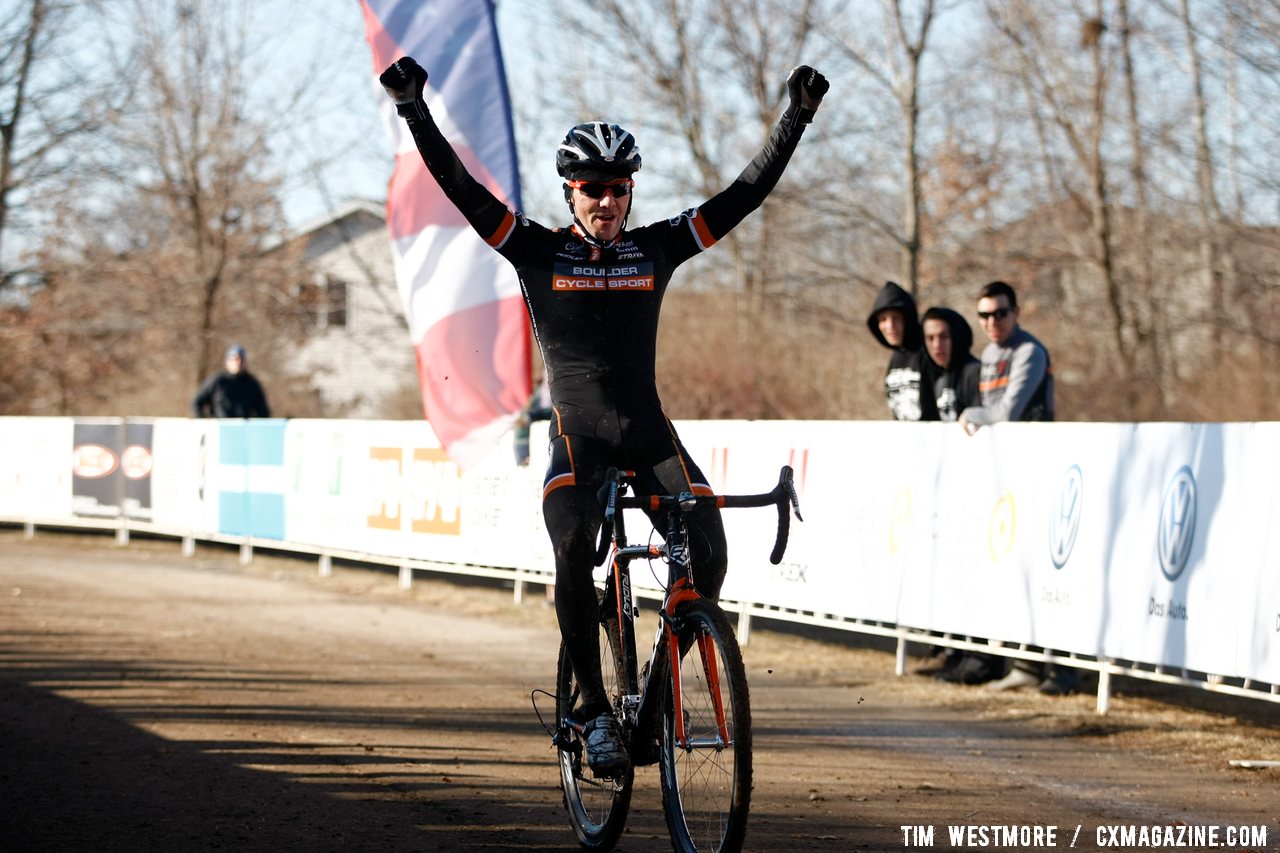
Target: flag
[462,300]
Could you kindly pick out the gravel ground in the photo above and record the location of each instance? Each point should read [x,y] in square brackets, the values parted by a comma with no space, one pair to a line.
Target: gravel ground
[151,702]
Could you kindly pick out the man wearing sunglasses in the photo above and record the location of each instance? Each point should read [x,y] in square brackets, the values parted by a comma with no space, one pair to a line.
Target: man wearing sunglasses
[1016,382]
[594,291]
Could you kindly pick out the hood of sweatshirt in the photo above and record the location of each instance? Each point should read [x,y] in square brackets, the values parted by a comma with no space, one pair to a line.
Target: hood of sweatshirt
[893,296]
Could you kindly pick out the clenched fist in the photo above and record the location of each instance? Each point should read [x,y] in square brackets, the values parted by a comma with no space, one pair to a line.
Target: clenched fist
[806,88]
[404,81]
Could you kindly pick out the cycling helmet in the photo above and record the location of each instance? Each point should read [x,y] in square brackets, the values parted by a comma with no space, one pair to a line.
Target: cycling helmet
[597,151]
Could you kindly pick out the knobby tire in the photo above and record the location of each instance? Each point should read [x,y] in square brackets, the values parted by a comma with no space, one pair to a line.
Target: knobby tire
[706,790]
[597,808]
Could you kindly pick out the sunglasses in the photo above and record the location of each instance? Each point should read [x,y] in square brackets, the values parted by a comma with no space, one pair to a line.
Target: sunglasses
[597,189]
[999,314]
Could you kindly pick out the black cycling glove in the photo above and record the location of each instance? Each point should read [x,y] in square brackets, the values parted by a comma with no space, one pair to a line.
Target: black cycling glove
[404,81]
[806,88]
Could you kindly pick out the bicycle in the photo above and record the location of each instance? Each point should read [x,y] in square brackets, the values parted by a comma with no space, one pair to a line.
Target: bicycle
[694,719]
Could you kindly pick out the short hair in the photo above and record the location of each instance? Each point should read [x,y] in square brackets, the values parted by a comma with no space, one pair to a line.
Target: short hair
[999,288]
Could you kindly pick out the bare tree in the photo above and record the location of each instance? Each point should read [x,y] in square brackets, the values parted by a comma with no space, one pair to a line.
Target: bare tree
[152,267]
[1052,79]
[897,70]
[48,104]
[1147,311]
[1213,258]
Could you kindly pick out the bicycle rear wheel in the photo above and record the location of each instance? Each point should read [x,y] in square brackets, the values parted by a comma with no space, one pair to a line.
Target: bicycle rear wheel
[706,782]
[597,807]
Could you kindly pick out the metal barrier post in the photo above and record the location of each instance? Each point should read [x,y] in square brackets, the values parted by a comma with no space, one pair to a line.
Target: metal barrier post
[744,624]
[1104,689]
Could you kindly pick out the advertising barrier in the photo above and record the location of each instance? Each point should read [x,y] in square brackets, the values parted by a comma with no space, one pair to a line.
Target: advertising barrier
[1151,544]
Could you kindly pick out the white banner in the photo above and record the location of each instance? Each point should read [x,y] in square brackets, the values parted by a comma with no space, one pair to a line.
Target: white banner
[1150,543]
[35,468]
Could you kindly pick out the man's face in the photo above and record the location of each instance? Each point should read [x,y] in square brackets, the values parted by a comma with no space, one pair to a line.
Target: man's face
[998,319]
[234,363]
[893,325]
[937,340]
[602,216]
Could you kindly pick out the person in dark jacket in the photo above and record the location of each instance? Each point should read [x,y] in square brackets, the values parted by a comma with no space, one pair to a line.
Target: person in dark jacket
[231,393]
[951,371]
[894,321]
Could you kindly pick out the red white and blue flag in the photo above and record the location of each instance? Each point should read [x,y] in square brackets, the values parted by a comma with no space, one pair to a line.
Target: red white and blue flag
[462,300]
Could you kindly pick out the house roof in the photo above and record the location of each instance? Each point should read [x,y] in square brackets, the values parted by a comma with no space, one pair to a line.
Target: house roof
[373,208]
[308,231]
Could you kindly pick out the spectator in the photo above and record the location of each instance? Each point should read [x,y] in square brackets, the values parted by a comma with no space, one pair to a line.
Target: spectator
[1016,385]
[231,393]
[1017,380]
[952,370]
[951,375]
[894,322]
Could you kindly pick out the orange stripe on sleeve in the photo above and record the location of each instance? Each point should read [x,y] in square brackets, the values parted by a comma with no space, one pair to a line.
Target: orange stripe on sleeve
[1002,382]
[503,231]
[701,232]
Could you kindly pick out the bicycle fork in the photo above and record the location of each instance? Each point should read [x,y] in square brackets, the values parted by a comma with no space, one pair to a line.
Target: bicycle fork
[681,592]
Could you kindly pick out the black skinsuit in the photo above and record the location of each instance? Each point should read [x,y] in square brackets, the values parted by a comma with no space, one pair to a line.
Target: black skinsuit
[595,311]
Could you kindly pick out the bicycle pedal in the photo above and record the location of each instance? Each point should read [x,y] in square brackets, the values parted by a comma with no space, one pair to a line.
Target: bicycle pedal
[565,741]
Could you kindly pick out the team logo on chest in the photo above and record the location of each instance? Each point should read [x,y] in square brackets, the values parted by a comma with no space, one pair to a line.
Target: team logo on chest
[597,277]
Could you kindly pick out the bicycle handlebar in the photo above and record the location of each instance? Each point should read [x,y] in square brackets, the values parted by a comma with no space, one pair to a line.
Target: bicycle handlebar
[783,496]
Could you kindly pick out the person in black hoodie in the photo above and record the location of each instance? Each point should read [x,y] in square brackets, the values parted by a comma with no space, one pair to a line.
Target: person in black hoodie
[231,393]
[951,375]
[894,322]
[951,370]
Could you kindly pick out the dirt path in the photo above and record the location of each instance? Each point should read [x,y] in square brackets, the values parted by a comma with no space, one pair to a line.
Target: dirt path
[151,702]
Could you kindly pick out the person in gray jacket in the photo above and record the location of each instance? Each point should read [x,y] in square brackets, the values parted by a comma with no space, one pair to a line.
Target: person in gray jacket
[1016,383]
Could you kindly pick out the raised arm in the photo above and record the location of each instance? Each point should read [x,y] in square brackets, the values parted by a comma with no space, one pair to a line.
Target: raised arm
[404,81]
[723,212]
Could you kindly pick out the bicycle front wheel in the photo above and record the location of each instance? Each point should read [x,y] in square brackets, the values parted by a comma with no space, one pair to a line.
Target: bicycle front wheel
[706,778]
[597,807]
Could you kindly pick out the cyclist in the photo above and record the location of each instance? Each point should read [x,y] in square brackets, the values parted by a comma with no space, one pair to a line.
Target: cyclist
[593,291]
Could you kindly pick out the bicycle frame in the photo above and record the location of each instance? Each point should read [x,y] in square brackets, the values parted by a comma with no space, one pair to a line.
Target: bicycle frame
[640,709]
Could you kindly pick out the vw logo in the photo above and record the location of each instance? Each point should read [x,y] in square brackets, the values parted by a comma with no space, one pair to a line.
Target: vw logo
[1177,527]
[1064,517]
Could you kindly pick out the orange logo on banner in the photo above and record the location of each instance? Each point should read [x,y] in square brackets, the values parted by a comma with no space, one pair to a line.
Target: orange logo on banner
[92,461]
[384,480]
[136,461]
[435,490]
